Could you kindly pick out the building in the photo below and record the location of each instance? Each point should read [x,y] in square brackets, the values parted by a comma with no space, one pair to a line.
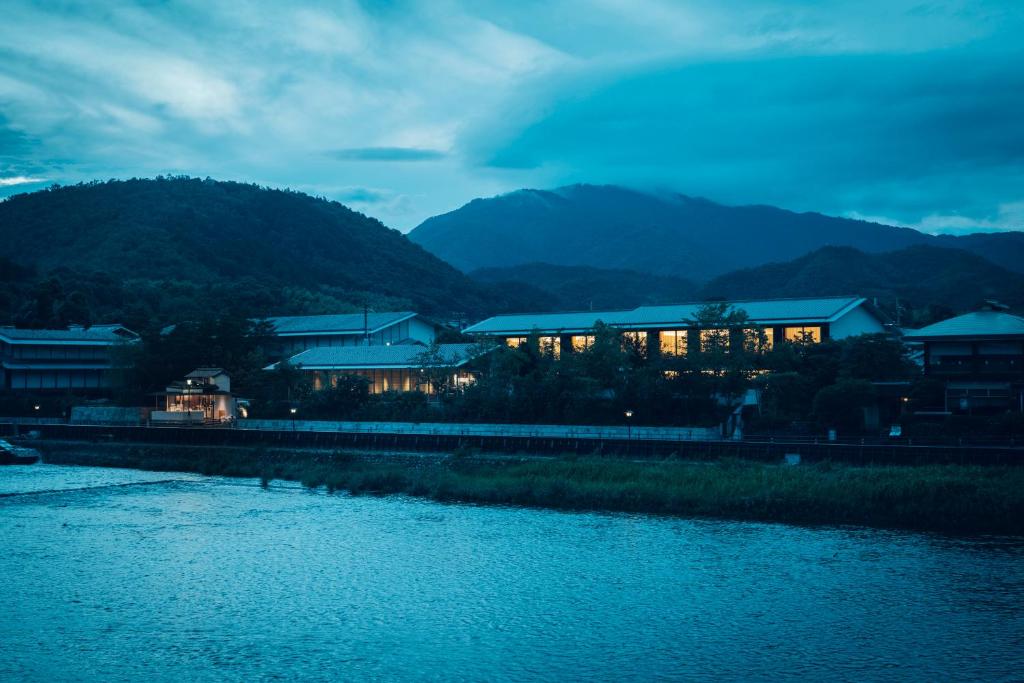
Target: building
[77,359]
[202,397]
[395,367]
[980,358]
[298,333]
[671,330]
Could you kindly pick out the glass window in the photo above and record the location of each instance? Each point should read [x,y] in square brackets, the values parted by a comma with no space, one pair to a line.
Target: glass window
[754,341]
[803,334]
[673,342]
[714,339]
[582,342]
[631,339]
[551,345]
[515,342]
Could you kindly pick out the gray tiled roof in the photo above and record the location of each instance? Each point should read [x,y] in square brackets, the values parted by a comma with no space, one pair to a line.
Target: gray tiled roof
[376,356]
[342,323]
[76,334]
[764,312]
[979,324]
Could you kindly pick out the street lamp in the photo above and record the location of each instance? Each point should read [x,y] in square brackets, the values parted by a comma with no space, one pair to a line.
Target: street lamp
[629,426]
[293,411]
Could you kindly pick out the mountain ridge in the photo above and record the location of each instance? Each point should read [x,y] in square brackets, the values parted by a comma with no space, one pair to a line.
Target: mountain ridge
[609,226]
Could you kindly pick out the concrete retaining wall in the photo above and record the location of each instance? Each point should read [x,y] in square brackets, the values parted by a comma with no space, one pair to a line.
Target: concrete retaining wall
[491,430]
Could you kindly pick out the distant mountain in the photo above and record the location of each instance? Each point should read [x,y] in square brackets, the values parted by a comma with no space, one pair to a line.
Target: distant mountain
[159,250]
[918,276]
[663,234]
[583,287]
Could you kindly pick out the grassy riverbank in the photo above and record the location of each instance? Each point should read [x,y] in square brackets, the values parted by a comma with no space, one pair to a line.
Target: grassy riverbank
[948,498]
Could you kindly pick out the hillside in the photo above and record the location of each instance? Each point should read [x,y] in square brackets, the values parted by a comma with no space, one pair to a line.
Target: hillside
[663,234]
[918,277]
[159,250]
[583,287]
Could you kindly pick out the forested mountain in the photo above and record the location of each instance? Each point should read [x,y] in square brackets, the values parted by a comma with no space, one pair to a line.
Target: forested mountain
[157,251]
[664,234]
[583,287]
[917,277]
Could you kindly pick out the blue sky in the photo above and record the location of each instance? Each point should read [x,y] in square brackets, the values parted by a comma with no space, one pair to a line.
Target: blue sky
[903,111]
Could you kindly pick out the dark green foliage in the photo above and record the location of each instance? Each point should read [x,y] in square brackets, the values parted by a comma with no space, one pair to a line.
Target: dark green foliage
[929,282]
[945,498]
[842,405]
[150,252]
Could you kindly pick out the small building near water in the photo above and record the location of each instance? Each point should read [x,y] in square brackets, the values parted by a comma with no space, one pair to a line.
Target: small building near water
[398,367]
[202,397]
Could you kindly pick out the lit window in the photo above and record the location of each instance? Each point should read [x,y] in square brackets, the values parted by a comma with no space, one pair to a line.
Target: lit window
[714,339]
[673,342]
[635,340]
[806,335]
[515,342]
[755,342]
[582,342]
[551,345]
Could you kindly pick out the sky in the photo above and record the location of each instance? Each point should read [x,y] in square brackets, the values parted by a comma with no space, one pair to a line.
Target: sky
[908,112]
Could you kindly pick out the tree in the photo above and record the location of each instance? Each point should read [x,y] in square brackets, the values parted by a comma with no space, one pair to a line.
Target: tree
[841,405]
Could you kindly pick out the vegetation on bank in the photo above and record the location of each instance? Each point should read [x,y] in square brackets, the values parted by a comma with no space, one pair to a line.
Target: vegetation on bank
[952,499]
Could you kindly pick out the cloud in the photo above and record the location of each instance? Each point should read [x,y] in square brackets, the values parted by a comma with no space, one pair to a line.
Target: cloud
[19,180]
[883,107]
[386,154]
[362,195]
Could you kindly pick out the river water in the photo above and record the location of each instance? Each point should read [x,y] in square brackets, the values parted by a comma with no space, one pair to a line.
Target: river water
[114,575]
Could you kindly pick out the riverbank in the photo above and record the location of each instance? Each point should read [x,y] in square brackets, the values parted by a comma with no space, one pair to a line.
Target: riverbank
[944,498]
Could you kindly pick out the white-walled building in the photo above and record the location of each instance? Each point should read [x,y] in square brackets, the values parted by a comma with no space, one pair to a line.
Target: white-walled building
[298,333]
[671,330]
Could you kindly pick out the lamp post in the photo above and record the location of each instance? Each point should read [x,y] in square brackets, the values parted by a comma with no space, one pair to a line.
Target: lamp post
[293,410]
[629,425]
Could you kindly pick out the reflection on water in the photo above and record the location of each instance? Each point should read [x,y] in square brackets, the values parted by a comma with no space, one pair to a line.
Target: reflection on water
[122,575]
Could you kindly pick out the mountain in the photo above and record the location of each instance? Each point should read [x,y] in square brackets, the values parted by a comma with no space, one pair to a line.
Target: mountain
[583,287]
[162,249]
[663,234]
[918,277]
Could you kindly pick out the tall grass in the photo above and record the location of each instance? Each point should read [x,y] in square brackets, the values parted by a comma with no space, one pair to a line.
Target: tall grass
[949,498]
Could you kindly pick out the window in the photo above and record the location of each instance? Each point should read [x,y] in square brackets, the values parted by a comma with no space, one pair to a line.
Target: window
[672,342]
[716,339]
[632,339]
[806,335]
[515,342]
[754,341]
[582,342]
[551,345]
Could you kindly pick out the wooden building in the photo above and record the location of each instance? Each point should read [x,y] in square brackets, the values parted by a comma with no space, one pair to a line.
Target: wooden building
[76,359]
[980,358]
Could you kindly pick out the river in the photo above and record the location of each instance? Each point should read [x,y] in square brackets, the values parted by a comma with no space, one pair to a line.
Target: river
[119,575]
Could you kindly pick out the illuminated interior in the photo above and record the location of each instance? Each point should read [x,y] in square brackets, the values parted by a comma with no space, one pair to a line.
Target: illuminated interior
[673,342]
[754,342]
[714,339]
[582,342]
[515,342]
[551,345]
[804,334]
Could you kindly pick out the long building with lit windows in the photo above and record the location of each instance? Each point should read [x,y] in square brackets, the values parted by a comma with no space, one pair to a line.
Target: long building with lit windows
[672,330]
